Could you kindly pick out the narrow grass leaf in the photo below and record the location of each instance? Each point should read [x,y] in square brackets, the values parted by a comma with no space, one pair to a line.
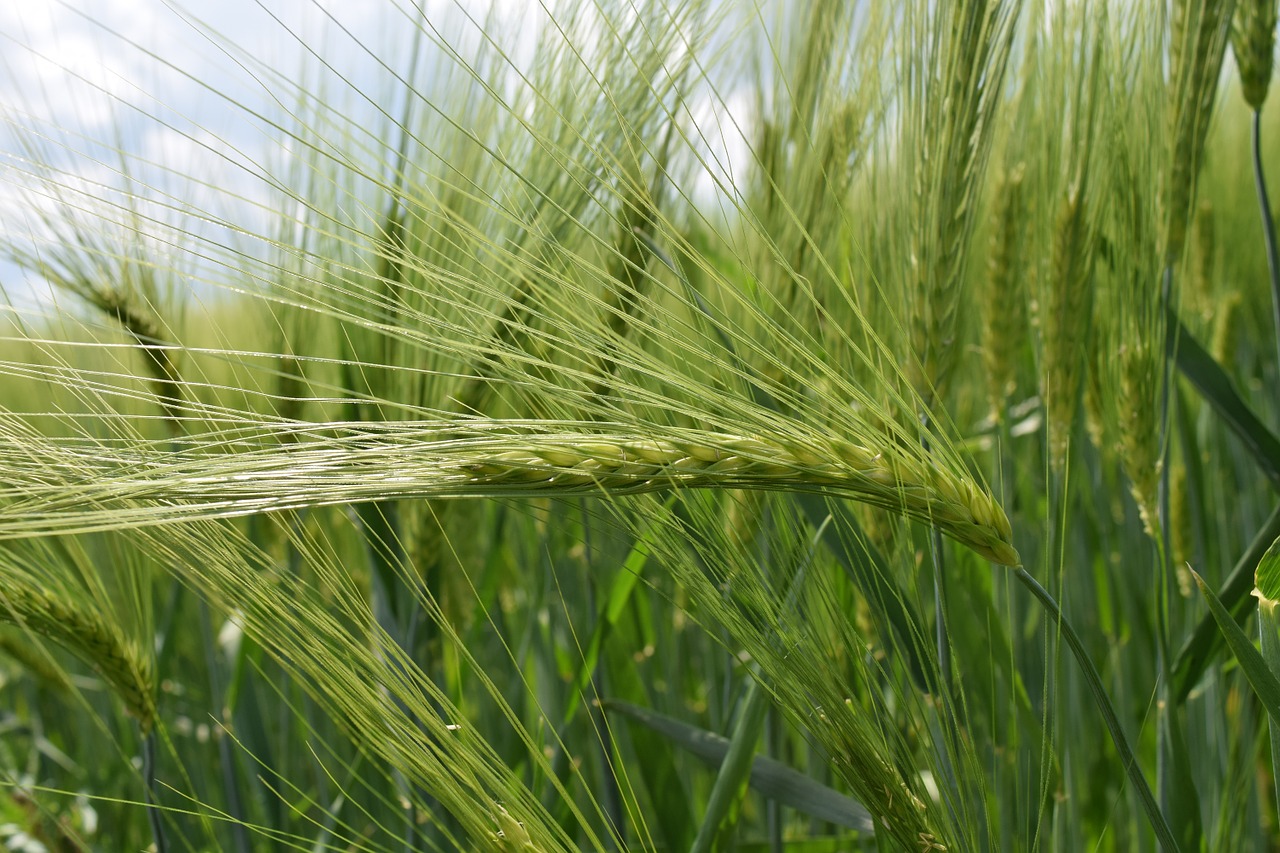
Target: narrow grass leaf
[611,610]
[1267,592]
[724,806]
[1267,577]
[769,777]
[1263,681]
[1219,392]
[1207,640]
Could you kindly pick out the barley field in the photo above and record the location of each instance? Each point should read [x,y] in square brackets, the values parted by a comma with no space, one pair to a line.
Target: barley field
[641,425]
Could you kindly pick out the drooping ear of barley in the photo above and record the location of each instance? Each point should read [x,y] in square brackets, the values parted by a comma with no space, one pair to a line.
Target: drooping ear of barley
[1198,41]
[86,633]
[115,275]
[160,355]
[86,488]
[434,298]
[1004,308]
[1253,42]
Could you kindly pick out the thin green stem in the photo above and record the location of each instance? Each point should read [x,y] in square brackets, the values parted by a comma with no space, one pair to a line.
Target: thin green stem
[736,765]
[161,845]
[943,636]
[218,697]
[1269,642]
[1268,226]
[1092,679]
[1173,779]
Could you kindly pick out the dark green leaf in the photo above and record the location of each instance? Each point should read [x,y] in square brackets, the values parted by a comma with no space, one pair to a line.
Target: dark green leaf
[1206,641]
[1261,678]
[769,777]
[1215,387]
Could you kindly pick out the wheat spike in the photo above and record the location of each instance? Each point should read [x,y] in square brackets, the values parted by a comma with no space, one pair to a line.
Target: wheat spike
[1199,38]
[1139,428]
[1066,323]
[79,488]
[1253,41]
[1226,329]
[1004,318]
[89,636]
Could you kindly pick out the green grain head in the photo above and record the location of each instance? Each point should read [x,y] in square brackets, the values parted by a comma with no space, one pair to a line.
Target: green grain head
[1004,321]
[1198,40]
[1253,41]
[90,636]
[1065,322]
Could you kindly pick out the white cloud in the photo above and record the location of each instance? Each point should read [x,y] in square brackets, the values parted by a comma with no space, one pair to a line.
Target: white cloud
[174,88]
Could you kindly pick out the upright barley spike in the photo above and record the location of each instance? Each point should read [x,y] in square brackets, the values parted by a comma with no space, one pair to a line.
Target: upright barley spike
[1003,315]
[1066,321]
[1199,295]
[1253,41]
[1139,427]
[1253,36]
[957,139]
[1199,39]
[1225,339]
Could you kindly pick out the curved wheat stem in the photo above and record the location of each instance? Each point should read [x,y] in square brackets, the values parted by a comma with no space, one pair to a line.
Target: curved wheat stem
[65,487]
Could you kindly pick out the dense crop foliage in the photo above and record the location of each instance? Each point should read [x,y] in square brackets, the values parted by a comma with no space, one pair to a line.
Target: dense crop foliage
[649,425]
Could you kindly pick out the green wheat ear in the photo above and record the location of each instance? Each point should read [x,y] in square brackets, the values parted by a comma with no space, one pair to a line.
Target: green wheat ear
[1253,42]
[1199,36]
[512,836]
[85,489]
[90,636]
